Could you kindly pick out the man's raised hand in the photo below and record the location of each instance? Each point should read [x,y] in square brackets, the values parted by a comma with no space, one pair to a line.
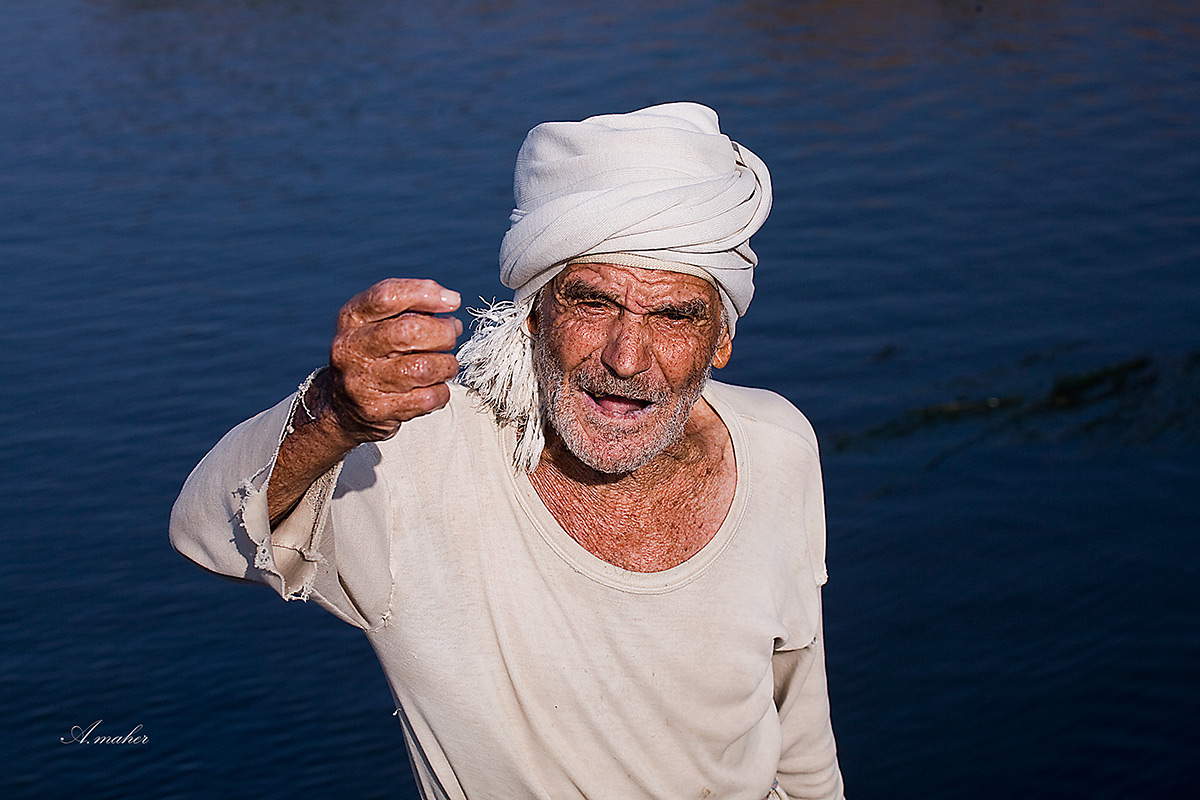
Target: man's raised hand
[390,360]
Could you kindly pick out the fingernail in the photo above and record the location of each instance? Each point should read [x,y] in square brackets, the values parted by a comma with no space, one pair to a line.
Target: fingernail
[451,297]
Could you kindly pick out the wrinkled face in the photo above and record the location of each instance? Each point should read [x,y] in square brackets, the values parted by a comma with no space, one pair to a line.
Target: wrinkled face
[621,355]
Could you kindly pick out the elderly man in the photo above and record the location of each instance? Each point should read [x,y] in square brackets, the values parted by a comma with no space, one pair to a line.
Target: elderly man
[587,571]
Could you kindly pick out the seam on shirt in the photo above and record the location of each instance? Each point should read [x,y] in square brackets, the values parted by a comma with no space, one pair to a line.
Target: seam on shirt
[812,445]
[393,589]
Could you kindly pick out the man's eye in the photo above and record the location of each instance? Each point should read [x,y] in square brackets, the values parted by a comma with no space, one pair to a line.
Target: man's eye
[677,316]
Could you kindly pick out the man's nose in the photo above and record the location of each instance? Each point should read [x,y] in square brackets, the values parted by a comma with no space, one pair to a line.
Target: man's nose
[627,351]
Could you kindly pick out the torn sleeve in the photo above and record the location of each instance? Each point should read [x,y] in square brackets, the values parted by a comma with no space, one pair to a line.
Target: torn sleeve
[220,522]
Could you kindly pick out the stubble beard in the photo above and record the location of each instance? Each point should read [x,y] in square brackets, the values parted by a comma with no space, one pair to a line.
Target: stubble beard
[626,451]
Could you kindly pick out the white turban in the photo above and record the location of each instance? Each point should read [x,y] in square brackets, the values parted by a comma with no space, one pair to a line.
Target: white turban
[659,188]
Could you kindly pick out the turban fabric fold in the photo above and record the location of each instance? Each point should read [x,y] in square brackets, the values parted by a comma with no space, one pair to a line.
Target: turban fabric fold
[659,188]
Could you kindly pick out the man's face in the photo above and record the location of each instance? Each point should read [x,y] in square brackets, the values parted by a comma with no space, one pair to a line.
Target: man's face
[621,355]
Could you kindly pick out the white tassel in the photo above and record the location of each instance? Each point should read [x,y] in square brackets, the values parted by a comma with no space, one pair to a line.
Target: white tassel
[497,364]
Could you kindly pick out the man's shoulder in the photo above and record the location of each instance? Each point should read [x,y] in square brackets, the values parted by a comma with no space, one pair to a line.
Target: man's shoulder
[465,417]
[464,405]
[762,406]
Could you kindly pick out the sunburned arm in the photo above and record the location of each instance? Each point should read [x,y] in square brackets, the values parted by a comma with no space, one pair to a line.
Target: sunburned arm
[314,445]
[388,364]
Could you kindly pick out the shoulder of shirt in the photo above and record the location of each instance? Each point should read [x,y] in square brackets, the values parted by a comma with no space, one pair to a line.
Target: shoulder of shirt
[460,394]
[465,414]
[462,402]
[762,406]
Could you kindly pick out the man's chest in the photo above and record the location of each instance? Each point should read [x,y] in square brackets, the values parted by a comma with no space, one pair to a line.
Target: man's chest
[651,530]
[531,663]
[507,634]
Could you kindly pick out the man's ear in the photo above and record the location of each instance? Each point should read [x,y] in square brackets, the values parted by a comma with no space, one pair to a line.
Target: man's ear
[724,350]
[531,322]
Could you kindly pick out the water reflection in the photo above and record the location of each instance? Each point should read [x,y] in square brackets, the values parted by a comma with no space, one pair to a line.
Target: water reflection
[1135,401]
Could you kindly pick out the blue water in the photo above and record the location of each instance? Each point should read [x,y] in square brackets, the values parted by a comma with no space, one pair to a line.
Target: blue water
[981,281]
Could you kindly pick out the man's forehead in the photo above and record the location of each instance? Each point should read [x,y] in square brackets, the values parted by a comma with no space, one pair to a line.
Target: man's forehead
[637,283]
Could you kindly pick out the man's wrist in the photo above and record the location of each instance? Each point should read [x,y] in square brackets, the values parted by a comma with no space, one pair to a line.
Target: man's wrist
[323,403]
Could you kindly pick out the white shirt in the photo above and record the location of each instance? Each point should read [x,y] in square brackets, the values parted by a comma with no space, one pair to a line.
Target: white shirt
[524,666]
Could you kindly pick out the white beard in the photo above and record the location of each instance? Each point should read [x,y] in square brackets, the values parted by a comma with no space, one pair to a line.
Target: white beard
[617,458]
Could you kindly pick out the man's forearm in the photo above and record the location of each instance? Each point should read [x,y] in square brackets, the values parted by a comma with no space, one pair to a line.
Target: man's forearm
[314,445]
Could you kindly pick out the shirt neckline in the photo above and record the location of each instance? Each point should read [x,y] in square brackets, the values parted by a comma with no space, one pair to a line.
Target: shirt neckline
[584,562]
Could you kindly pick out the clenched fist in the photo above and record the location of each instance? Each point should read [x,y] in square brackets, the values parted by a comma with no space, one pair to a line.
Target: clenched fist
[390,358]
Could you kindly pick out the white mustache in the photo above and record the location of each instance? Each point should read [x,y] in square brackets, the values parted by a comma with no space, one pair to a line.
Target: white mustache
[631,388]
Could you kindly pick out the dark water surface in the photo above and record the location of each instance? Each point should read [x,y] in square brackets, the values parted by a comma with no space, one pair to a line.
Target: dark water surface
[981,281]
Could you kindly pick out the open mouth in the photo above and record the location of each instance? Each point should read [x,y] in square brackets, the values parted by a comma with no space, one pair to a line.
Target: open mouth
[616,405]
